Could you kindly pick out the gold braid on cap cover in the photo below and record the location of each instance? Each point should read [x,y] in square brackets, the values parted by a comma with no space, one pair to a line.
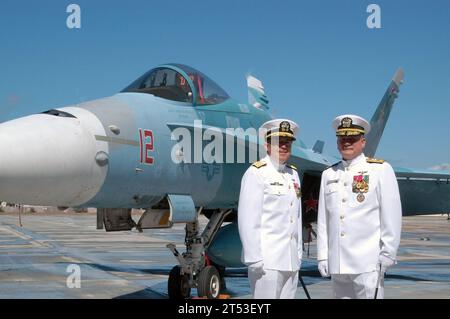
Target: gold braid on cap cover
[348,128]
[284,130]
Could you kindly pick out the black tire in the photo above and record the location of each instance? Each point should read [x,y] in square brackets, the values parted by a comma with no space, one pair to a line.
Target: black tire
[209,283]
[178,285]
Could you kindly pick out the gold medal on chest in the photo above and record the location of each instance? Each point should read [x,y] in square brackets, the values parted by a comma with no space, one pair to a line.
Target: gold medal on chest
[360,197]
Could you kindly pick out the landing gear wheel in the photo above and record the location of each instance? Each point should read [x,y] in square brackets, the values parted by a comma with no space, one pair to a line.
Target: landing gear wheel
[209,283]
[178,285]
[221,269]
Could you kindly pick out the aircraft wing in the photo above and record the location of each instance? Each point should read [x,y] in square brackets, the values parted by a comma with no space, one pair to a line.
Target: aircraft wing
[423,191]
[422,174]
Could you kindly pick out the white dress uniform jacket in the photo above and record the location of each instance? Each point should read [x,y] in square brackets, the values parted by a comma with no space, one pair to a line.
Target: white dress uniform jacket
[269,216]
[353,233]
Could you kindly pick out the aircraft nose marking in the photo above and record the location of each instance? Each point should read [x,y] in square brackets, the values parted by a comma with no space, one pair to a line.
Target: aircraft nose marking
[116,140]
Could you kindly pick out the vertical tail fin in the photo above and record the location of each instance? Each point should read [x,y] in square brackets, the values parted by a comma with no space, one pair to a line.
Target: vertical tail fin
[256,94]
[318,146]
[381,115]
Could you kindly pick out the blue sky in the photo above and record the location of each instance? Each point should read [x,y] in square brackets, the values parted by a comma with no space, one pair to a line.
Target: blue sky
[317,59]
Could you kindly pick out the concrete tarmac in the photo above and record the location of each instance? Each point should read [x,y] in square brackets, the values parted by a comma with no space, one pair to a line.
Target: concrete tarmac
[40,259]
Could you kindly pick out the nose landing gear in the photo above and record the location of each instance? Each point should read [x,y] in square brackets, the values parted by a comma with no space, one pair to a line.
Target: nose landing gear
[193,270]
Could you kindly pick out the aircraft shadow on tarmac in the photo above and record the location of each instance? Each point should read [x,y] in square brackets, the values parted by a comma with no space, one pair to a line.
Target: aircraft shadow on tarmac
[310,276]
[242,272]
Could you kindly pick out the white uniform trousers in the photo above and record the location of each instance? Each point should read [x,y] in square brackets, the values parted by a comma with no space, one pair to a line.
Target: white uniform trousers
[358,286]
[273,284]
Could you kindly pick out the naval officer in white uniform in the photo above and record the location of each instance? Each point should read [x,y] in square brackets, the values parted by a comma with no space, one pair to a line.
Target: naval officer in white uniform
[359,217]
[269,217]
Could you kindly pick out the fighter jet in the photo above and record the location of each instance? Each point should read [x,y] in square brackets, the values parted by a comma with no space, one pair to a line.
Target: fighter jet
[167,144]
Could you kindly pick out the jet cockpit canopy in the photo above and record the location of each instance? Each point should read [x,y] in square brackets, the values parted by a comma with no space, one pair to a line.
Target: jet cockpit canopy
[178,82]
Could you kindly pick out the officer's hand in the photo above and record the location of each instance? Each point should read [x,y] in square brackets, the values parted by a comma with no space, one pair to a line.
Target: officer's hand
[323,268]
[257,268]
[384,263]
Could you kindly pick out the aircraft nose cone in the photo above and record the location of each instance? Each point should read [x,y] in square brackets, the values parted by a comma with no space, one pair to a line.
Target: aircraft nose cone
[50,160]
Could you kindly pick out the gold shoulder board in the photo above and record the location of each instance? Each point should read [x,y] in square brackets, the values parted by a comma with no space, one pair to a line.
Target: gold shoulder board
[259,164]
[375,160]
[292,166]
